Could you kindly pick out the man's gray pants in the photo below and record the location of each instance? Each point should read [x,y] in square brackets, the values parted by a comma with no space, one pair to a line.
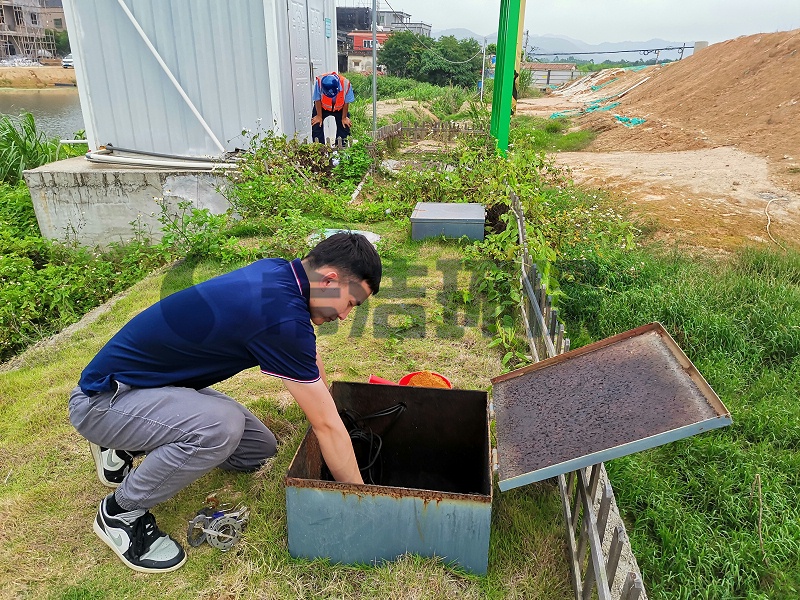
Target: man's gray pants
[183,432]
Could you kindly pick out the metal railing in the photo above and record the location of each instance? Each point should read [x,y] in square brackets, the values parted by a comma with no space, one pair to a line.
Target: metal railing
[338,143]
[594,556]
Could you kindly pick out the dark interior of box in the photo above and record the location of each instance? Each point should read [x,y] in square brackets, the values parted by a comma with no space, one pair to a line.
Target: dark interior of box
[438,441]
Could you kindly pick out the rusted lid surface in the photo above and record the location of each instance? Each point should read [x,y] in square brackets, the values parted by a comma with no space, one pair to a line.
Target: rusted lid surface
[630,392]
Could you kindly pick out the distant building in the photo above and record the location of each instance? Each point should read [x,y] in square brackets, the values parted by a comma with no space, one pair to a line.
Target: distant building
[546,75]
[52,13]
[401,21]
[354,25]
[22,31]
[353,19]
[359,54]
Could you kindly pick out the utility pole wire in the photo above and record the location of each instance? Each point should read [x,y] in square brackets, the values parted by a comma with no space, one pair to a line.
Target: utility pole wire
[646,51]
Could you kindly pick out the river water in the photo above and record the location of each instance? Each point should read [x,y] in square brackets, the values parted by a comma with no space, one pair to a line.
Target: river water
[57,111]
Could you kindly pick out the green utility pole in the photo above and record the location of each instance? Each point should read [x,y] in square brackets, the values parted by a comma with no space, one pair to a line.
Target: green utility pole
[507,40]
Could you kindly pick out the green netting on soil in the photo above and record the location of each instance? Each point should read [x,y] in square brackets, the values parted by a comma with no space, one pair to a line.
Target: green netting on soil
[629,121]
[596,106]
[602,85]
[566,113]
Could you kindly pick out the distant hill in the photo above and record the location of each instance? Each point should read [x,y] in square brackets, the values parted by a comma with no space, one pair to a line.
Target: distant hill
[549,47]
[463,34]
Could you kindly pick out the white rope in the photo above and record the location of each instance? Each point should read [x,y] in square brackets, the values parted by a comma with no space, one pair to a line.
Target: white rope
[769,221]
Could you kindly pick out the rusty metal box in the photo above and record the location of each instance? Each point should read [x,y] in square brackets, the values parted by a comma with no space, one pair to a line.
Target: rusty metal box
[627,393]
[433,496]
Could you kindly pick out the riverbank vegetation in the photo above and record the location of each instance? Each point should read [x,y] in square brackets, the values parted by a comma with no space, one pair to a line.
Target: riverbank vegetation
[23,146]
[712,516]
[46,285]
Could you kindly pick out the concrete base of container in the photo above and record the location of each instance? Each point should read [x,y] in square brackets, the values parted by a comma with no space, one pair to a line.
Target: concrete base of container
[95,205]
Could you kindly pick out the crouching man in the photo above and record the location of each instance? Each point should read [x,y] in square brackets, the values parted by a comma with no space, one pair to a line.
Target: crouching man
[147,392]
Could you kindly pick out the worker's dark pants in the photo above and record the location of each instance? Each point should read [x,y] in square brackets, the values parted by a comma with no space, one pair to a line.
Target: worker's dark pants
[317,131]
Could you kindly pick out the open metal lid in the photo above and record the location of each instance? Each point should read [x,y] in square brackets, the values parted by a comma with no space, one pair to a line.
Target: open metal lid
[627,393]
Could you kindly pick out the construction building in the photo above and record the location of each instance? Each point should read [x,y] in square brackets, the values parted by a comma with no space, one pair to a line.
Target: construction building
[52,14]
[22,32]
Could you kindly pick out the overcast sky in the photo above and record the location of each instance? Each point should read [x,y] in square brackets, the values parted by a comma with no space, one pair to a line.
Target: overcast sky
[596,21]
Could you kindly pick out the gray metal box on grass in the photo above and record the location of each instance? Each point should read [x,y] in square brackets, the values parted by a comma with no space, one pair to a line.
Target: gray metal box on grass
[633,391]
[448,219]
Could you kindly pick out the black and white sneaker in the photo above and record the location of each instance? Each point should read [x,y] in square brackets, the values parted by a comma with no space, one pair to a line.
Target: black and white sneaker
[112,465]
[137,540]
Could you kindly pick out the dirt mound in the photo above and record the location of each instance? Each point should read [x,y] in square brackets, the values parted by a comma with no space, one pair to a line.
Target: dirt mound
[742,92]
[716,164]
[386,108]
[35,77]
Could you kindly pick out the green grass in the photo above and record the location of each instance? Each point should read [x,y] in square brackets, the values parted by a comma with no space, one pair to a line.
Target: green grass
[389,86]
[46,285]
[693,506]
[444,102]
[49,486]
[49,491]
[548,135]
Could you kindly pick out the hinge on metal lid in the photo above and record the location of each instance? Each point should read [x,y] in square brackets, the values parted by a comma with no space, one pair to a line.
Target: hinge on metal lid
[495,463]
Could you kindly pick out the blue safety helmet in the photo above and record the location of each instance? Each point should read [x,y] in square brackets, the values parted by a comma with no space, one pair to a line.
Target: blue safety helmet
[330,86]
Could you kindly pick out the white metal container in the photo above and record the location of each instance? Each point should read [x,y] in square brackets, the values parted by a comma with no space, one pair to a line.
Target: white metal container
[187,77]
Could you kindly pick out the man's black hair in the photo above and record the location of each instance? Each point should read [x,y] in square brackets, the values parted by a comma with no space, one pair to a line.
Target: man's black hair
[351,253]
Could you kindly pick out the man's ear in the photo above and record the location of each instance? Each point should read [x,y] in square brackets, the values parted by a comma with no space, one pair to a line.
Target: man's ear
[328,277]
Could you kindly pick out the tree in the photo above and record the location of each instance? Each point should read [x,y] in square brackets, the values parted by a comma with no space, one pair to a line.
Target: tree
[446,61]
[400,53]
[452,62]
[62,41]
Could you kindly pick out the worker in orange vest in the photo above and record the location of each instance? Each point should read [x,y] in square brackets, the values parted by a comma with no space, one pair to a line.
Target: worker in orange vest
[332,96]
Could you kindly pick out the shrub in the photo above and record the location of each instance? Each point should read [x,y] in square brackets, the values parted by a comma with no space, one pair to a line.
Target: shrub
[23,147]
[45,285]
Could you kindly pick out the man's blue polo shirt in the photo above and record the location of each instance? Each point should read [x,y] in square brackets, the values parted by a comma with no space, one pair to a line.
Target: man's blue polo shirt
[256,315]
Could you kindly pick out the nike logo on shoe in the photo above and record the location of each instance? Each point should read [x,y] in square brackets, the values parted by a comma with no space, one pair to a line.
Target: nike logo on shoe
[111,462]
[121,539]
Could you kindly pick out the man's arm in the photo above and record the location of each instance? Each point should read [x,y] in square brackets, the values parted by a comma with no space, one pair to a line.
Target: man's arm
[349,98]
[334,441]
[317,118]
[321,368]
[345,119]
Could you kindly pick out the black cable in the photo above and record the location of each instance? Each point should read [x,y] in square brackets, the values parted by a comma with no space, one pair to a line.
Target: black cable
[113,148]
[366,443]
